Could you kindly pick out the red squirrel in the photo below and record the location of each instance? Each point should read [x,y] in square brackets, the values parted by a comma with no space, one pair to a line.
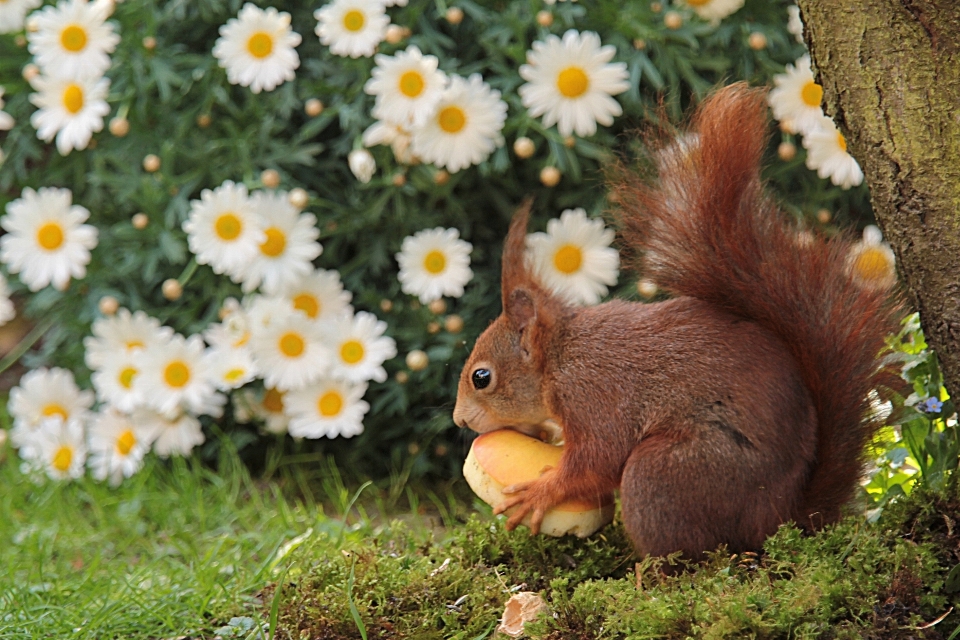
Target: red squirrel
[736,405]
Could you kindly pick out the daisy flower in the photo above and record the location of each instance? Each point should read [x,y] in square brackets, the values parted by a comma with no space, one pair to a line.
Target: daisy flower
[289,352]
[714,11]
[266,405]
[7,311]
[117,446]
[224,229]
[13,12]
[174,375]
[230,368]
[352,27]
[257,48]
[45,241]
[395,135]
[42,394]
[574,257]
[73,38]
[827,154]
[795,98]
[434,263]
[570,82]
[71,109]
[124,332]
[359,348]
[115,381]
[328,408]
[320,296]
[794,23]
[286,255]
[871,261]
[6,120]
[465,128]
[407,85]
[174,435]
[59,449]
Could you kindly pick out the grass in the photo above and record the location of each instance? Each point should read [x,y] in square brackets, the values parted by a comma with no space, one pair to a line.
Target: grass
[183,550]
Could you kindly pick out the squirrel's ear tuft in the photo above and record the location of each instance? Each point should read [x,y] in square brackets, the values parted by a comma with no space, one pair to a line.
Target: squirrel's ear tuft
[514,270]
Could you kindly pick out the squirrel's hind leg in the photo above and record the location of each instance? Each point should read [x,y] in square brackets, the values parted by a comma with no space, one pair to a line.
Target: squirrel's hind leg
[693,489]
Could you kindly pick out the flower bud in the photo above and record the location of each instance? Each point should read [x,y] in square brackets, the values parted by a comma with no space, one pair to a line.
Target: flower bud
[544,18]
[298,197]
[119,126]
[151,163]
[108,305]
[524,147]
[362,164]
[453,323]
[647,288]
[672,20]
[204,120]
[313,107]
[171,289]
[149,43]
[454,15]
[270,178]
[139,221]
[757,41]
[417,360]
[550,176]
[438,307]
[787,151]
[394,34]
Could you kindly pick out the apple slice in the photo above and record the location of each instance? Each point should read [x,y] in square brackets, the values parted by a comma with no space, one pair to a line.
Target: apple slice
[504,457]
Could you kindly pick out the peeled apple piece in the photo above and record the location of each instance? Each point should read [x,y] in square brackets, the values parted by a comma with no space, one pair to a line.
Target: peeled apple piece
[504,457]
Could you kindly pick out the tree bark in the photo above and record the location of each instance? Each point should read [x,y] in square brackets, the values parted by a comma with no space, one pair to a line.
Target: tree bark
[890,71]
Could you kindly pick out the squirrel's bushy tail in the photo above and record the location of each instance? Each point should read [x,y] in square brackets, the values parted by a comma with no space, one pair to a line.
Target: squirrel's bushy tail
[707,229]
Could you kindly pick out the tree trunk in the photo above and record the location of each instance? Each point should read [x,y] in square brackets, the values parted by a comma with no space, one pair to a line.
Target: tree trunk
[890,71]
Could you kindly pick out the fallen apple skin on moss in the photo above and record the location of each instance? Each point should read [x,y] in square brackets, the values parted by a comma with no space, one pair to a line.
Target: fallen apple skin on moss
[504,457]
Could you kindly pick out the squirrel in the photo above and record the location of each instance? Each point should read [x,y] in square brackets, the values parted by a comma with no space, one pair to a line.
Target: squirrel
[738,404]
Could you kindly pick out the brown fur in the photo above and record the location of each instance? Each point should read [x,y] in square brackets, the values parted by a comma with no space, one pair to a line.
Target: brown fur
[736,406]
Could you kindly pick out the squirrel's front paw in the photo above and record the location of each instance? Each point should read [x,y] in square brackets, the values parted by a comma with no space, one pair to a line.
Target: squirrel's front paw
[534,498]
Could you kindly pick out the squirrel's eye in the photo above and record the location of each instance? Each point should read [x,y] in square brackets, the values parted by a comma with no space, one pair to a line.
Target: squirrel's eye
[481,378]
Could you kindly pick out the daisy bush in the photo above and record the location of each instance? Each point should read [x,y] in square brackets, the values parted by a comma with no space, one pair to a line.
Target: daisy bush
[281,222]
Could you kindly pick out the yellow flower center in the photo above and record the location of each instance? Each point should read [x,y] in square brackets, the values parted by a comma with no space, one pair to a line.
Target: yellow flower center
[233,375]
[260,45]
[435,262]
[73,98]
[572,82]
[567,259]
[73,38]
[54,409]
[812,94]
[176,374]
[134,344]
[228,226]
[873,265]
[62,459]
[273,401]
[841,141]
[353,20]
[698,3]
[275,243]
[125,442]
[411,84]
[242,340]
[126,377]
[291,344]
[308,304]
[351,351]
[452,119]
[330,404]
[50,236]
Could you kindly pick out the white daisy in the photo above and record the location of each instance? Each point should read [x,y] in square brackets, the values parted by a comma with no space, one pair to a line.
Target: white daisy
[45,241]
[122,333]
[407,85]
[59,449]
[7,311]
[6,120]
[570,82]
[257,48]
[827,154]
[171,435]
[287,253]
[434,263]
[795,98]
[871,261]
[115,381]
[359,348]
[45,393]
[117,446]
[73,39]
[13,12]
[267,405]
[260,310]
[320,296]
[289,352]
[230,368]
[395,135]
[328,408]
[71,109]
[352,27]
[574,257]
[714,11]
[794,22]
[174,375]
[224,229]
[465,128]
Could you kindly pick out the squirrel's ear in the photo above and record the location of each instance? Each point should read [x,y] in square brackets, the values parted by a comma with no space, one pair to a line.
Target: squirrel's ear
[514,272]
[520,309]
